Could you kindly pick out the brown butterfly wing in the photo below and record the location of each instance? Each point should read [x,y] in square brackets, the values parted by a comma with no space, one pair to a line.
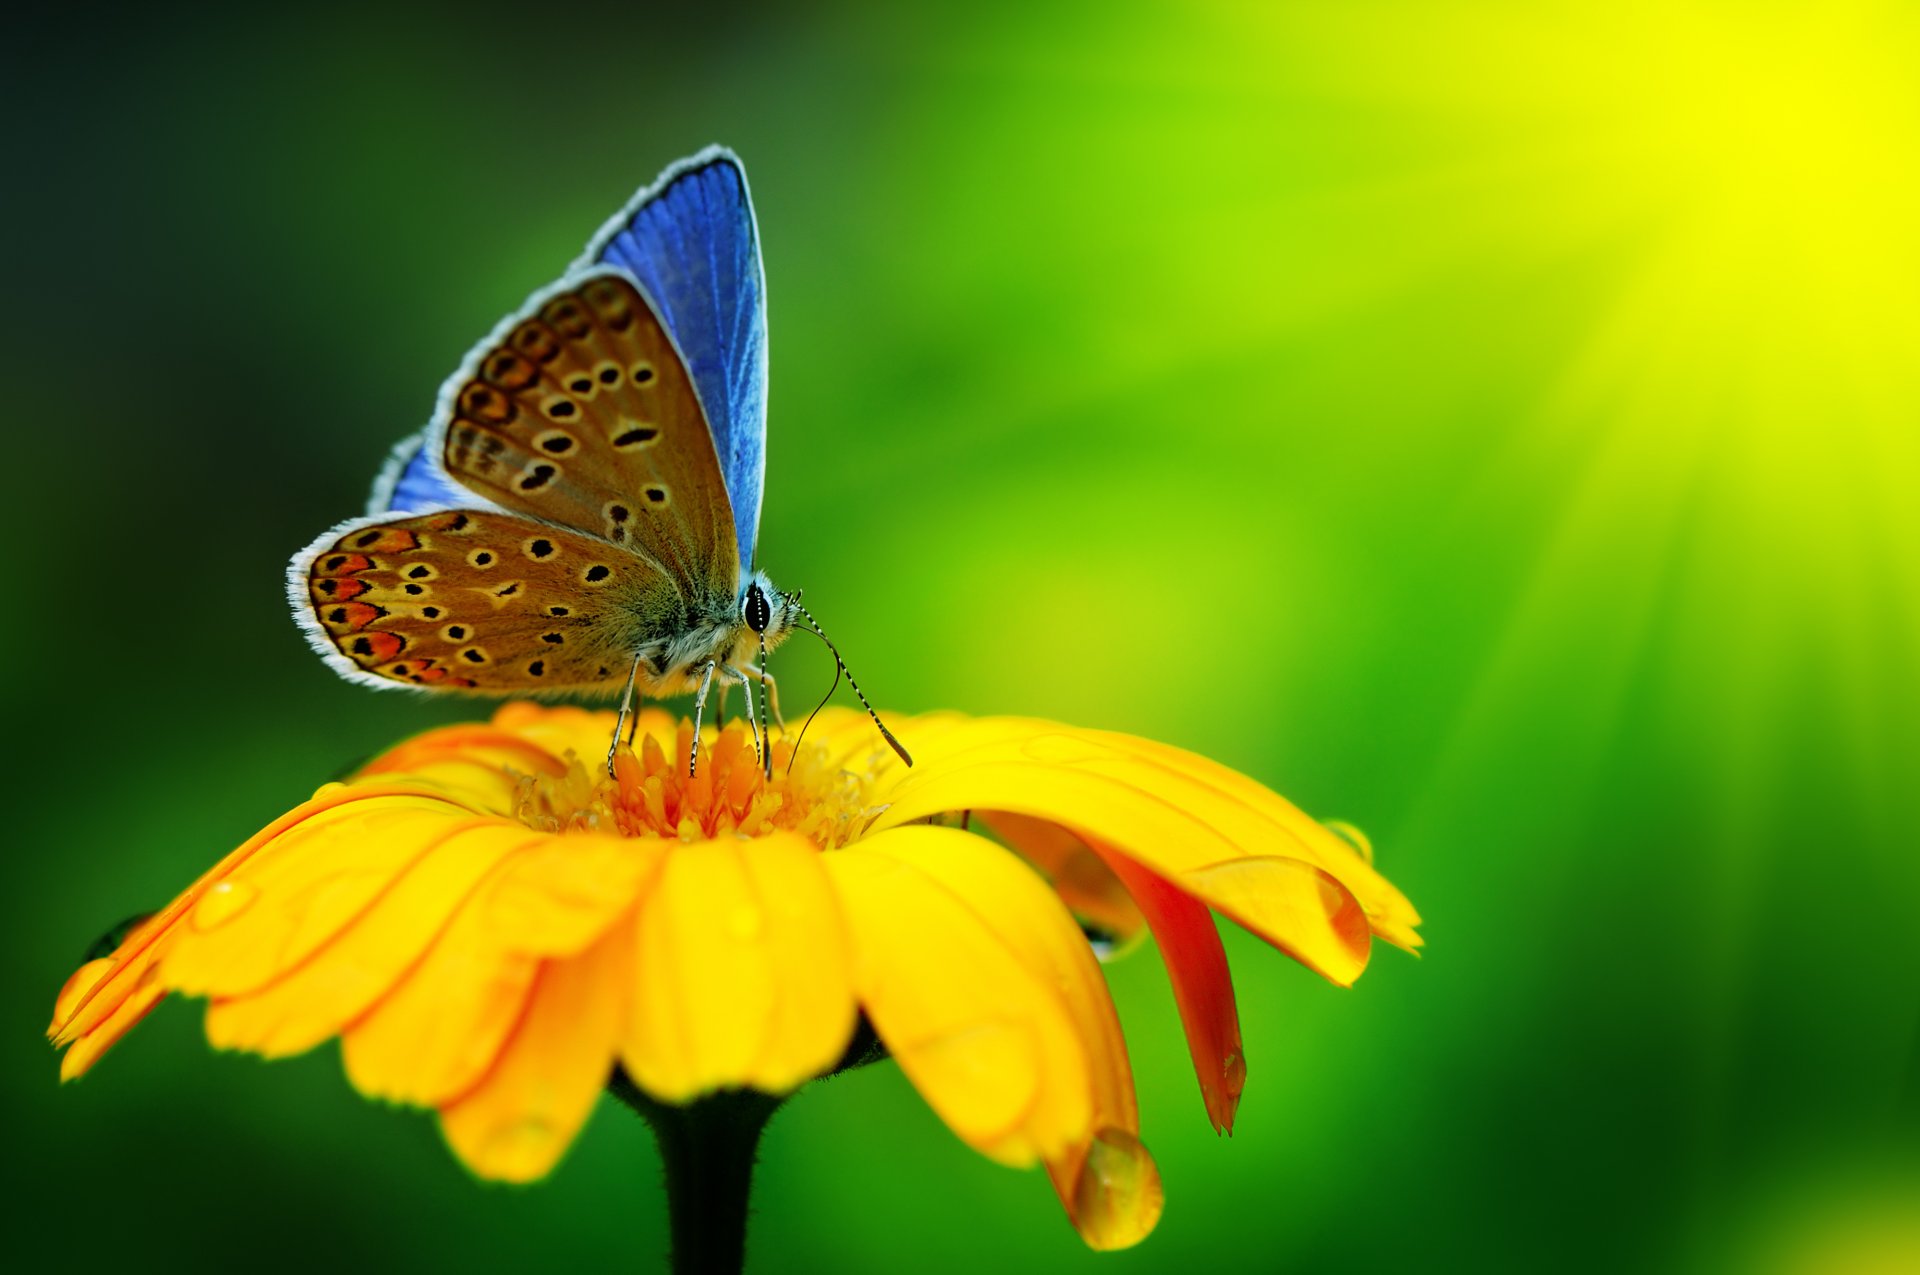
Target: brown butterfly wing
[583,414]
[480,601]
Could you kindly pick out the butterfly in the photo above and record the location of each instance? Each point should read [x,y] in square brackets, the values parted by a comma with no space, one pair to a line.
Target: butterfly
[582,512]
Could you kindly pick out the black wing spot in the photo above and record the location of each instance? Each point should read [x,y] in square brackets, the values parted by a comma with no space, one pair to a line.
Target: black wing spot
[538,668]
[474,655]
[608,375]
[328,587]
[334,563]
[414,590]
[596,573]
[561,410]
[636,437]
[455,632]
[558,611]
[658,495]
[480,558]
[337,616]
[363,646]
[421,572]
[642,373]
[580,385]
[540,548]
[556,443]
[553,639]
[431,613]
[366,538]
[537,477]
[508,591]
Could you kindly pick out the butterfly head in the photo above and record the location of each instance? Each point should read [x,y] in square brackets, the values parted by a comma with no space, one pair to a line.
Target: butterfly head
[768,613]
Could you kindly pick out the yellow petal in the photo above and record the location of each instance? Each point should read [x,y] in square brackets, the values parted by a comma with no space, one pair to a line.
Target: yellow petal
[1156,816]
[85,1051]
[518,1121]
[135,956]
[1083,881]
[433,1036]
[315,999]
[957,948]
[741,970]
[288,901]
[1393,917]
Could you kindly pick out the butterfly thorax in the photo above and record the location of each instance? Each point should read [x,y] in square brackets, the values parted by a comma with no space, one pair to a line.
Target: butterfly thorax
[730,635]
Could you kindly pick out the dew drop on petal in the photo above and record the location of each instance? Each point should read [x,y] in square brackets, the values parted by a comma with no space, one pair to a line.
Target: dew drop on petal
[1225,1105]
[1117,1198]
[221,904]
[1352,835]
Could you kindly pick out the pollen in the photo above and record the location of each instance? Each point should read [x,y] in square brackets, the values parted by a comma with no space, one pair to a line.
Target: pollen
[727,795]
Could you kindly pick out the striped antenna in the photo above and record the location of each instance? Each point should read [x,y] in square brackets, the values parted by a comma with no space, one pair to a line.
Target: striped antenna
[821,633]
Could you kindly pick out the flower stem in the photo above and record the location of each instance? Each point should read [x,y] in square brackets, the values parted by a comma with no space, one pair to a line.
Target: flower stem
[707,1149]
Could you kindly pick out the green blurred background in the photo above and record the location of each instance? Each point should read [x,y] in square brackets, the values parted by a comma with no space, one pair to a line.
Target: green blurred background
[1495,424]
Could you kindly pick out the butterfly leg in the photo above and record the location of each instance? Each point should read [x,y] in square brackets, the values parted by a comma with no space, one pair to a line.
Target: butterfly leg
[773,693]
[626,707]
[699,707]
[762,743]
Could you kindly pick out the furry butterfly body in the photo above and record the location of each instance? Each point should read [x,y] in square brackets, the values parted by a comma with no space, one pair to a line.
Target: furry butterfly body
[582,511]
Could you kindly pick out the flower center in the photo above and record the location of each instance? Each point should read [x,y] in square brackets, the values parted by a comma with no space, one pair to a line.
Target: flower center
[651,795]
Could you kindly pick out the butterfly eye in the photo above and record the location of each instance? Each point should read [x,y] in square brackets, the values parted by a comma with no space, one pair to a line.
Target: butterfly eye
[756,611]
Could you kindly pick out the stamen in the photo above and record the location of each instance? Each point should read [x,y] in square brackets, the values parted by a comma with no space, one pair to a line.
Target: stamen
[721,790]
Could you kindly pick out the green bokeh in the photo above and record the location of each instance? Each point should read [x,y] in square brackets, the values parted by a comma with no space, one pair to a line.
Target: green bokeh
[1146,368]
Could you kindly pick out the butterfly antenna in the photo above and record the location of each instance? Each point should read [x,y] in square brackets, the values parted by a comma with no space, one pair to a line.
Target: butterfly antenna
[885,734]
[816,708]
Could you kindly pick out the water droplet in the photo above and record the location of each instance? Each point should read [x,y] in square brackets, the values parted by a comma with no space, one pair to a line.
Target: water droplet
[1103,942]
[1223,1102]
[1351,835]
[1117,1197]
[222,903]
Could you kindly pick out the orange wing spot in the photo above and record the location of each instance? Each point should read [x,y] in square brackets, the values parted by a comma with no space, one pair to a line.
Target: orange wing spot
[610,301]
[350,615]
[331,590]
[343,564]
[482,402]
[427,673]
[566,316]
[376,648]
[534,340]
[510,371]
[381,540]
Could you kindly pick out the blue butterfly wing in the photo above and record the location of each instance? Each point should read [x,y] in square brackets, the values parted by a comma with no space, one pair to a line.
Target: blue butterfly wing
[414,482]
[691,241]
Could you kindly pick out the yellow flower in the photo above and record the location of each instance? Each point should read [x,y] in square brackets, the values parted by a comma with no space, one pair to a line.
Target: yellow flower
[490,927]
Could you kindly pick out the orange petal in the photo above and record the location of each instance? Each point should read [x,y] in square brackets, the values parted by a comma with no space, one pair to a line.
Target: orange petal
[85,1051]
[518,1121]
[741,970]
[1196,964]
[955,945]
